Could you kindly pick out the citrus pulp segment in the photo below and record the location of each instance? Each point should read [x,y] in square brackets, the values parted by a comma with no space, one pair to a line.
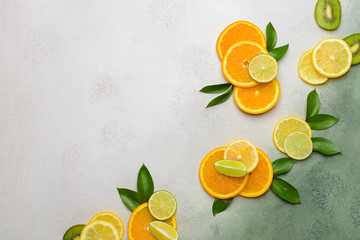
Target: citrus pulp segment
[236,60]
[258,99]
[231,168]
[216,184]
[236,32]
[307,72]
[260,179]
[138,228]
[163,231]
[286,126]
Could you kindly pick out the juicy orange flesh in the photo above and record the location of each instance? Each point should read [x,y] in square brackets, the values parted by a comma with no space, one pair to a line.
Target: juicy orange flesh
[260,179]
[140,224]
[238,60]
[216,181]
[328,57]
[258,97]
[241,32]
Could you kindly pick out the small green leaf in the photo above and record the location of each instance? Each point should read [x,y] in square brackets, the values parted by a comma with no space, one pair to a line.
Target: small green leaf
[222,98]
[131,199]
[285,190]
[279,52]
[313,104]
[325,146]
[282,165]
[220,205]
[321,121]
[271,37]
[216,89]
[145,184]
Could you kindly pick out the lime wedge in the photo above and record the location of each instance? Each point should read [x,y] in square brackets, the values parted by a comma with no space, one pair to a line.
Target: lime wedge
[231,168]
[162,205]
[298,146]
[263,68]
[163,231]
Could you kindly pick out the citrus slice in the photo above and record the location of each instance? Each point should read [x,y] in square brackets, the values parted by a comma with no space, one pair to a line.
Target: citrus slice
[236,61]
[307,72]
[236,32]
[162,205]
[231,168]
[216,184]
[260,179]
[138,228]
[111,218]
[285,126]
[298,146]
[258,99]
[263,68]
[244,151]
[100,230]
[163,231]
[332,57]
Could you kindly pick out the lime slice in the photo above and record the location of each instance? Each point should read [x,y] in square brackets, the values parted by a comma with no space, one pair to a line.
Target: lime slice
[298,146]
[263,68]
[163,231]
[162,205]
[231,168]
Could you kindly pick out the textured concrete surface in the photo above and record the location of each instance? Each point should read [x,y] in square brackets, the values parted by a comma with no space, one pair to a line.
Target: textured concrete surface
[90,90]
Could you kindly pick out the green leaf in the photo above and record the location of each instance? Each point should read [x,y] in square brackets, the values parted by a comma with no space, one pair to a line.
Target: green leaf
[279,52]
[222,98]
[216,89]
[325,146]
[282,165]
[220,205]
[271,37]
[130,198]
[313,104]
[321,121]
[285,190]
[145,184]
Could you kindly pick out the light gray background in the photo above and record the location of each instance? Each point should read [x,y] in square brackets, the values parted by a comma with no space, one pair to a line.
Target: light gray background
[91,89]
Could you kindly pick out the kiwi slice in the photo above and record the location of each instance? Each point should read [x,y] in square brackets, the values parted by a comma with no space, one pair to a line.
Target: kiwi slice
[328,14]
[354,43]
[74,232]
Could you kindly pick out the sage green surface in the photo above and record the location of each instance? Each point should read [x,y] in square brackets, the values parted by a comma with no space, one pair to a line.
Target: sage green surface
[90,90]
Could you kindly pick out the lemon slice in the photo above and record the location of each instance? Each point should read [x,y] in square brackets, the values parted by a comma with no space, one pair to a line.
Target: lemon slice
[298,146]
[111,218]
[100,230]
[263,68]
[332,57]
[244,151]
[162,205]
[231,168]
[163,231]
[307,72]
[285,126]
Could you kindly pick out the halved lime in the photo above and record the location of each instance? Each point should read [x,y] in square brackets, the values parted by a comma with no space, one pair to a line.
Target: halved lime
[298,146]
[263,68]
[163,231]
[231,168]
[162,205]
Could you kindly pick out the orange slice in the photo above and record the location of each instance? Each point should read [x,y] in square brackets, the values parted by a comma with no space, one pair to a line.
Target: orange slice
[236,32]
[244,151]
[260,179]
[216,184]
[258,99]
[236,61]
[140,219]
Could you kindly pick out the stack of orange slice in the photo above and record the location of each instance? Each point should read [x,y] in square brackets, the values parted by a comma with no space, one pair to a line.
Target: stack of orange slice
[236,46]
[255,183]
